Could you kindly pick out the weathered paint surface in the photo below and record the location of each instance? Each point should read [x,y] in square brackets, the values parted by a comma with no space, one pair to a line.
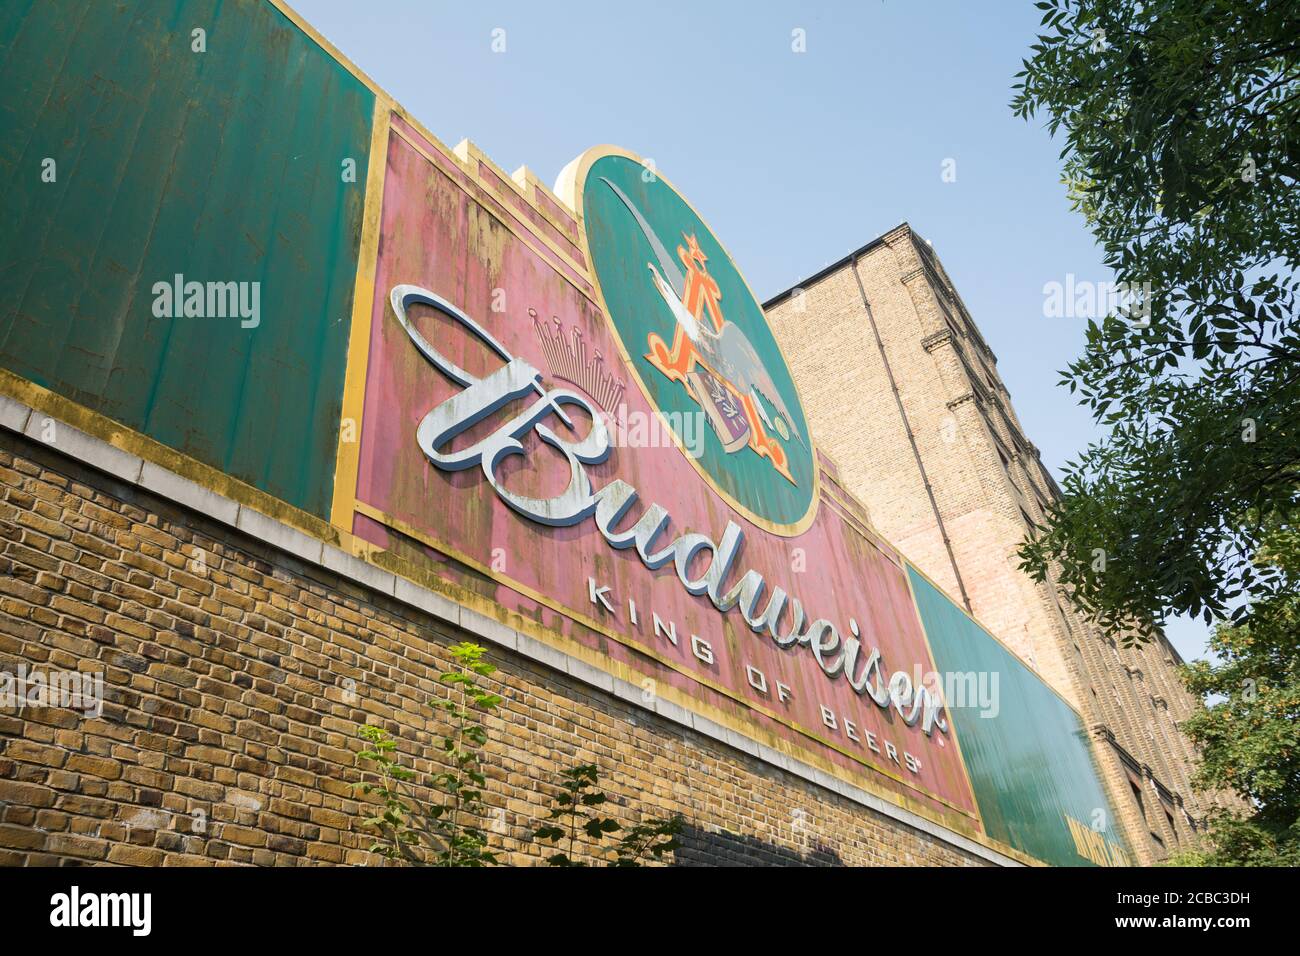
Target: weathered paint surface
[224,165]
[437,234]
[1029,760]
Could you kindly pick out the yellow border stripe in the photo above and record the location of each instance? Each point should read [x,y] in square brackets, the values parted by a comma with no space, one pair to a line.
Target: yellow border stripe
[346,461]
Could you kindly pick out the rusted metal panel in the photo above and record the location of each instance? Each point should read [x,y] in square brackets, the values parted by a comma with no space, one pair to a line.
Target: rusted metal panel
[222,164]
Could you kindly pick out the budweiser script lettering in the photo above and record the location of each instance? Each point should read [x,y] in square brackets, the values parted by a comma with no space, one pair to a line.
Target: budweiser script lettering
[783,618]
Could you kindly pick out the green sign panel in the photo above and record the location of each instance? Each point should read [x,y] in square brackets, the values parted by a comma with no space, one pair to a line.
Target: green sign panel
[139,159]
[1026,750]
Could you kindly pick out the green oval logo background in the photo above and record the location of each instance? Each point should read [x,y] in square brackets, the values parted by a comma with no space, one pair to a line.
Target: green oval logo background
[621,254]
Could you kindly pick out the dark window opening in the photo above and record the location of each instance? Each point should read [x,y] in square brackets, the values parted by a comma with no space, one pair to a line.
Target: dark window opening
[1170,817]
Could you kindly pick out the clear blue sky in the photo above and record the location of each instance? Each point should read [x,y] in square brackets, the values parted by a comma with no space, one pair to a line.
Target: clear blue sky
[793,159]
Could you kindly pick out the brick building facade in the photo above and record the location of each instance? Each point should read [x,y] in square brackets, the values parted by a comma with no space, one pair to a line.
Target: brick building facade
[903,392]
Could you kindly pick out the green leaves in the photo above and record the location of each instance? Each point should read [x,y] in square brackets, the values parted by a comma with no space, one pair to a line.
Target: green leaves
[470,657]
[446,833]
[576,792]
[1180,137]
[1179,122]
[598,828]
[1249,735]
[649,840]
[391,822]
[653,839]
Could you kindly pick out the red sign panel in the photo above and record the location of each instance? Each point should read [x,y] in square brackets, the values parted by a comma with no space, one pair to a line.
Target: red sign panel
[663,510]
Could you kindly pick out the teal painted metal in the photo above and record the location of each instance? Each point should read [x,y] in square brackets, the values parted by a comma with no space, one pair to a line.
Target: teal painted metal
[224,165]
[1030,763]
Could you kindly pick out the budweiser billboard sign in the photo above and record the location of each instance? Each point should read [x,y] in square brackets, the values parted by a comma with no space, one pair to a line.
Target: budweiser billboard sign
[599,434]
